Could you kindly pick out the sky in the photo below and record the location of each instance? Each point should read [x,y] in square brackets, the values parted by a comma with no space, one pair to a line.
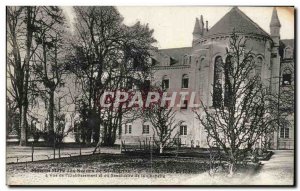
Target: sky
[173,25]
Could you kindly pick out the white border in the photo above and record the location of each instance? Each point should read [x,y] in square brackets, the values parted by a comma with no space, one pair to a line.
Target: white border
[3,3]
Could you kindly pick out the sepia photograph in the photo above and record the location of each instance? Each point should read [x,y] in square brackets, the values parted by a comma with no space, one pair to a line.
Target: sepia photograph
[150,96]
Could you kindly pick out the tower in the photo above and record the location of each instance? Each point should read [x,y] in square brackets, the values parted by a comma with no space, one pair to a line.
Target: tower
[198,28]
[275,63]
[275,27]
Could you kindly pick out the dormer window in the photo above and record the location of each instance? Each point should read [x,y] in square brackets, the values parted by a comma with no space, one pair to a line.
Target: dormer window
[288,52]
[153,62]
[185,81]
[187,59]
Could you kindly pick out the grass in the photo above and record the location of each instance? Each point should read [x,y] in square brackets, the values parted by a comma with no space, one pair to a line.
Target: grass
[115,163]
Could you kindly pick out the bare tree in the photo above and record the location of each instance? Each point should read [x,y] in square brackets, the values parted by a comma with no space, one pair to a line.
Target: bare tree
[241,114]
[164,124]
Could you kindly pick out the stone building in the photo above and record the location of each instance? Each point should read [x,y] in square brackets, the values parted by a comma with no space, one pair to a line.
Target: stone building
[192,68]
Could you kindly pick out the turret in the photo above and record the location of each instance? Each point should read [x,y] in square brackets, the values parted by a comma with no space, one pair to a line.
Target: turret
[198,28]
[275,27]
[201,25]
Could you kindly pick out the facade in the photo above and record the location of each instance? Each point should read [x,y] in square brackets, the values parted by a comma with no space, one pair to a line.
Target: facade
[192,69]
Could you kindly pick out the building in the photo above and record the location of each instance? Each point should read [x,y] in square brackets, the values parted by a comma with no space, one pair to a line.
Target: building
[193,68]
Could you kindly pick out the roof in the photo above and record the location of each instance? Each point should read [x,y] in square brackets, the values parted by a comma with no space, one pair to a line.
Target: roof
[237,20]
[176,53]
[197,29]
[288,42]
[275,20]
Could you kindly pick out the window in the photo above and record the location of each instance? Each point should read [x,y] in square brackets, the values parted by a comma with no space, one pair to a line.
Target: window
[185,81]
[228,74]
[217,88]
[287,77]
[288,52]
[165,83]
[184,105]
[153,62]
[284,132]
[258,66]
[186,60]
[128,129]
[183,130]
[145,129]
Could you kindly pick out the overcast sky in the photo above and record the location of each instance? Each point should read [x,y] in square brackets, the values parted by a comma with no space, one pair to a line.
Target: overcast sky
[173,26]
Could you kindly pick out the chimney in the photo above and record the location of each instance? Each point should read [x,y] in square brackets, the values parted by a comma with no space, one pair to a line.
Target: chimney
[206,25]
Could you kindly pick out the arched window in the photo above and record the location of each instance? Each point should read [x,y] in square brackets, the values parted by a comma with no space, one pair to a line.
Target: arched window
[185,81]
[185,59]
[258,66]
[288,52]
[228,71]
[217,88]
[286,77]
[165,83]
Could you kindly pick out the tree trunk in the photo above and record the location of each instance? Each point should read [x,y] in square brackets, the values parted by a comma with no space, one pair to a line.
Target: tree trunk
[51,111]
[24,91]
[23,137]
[231,169]
[161,148]
[51,135]
[23,129]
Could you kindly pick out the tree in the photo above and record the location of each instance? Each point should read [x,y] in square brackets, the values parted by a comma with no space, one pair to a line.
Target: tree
[48,62]
[164,123]
[21,27]
[105,52]
[243,115]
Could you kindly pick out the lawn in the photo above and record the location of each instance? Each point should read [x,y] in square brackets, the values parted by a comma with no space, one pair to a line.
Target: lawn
[118,163]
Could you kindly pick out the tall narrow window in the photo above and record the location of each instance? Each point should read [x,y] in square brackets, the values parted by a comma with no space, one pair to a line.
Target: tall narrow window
[165,83]
[145,129]
[217,88]
[183,130]
[185,81]
[258,66]
[129,129]
[228,76]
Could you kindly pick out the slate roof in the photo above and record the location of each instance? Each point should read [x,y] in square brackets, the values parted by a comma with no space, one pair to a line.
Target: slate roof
[288,42]
[176,53]
[236,19]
